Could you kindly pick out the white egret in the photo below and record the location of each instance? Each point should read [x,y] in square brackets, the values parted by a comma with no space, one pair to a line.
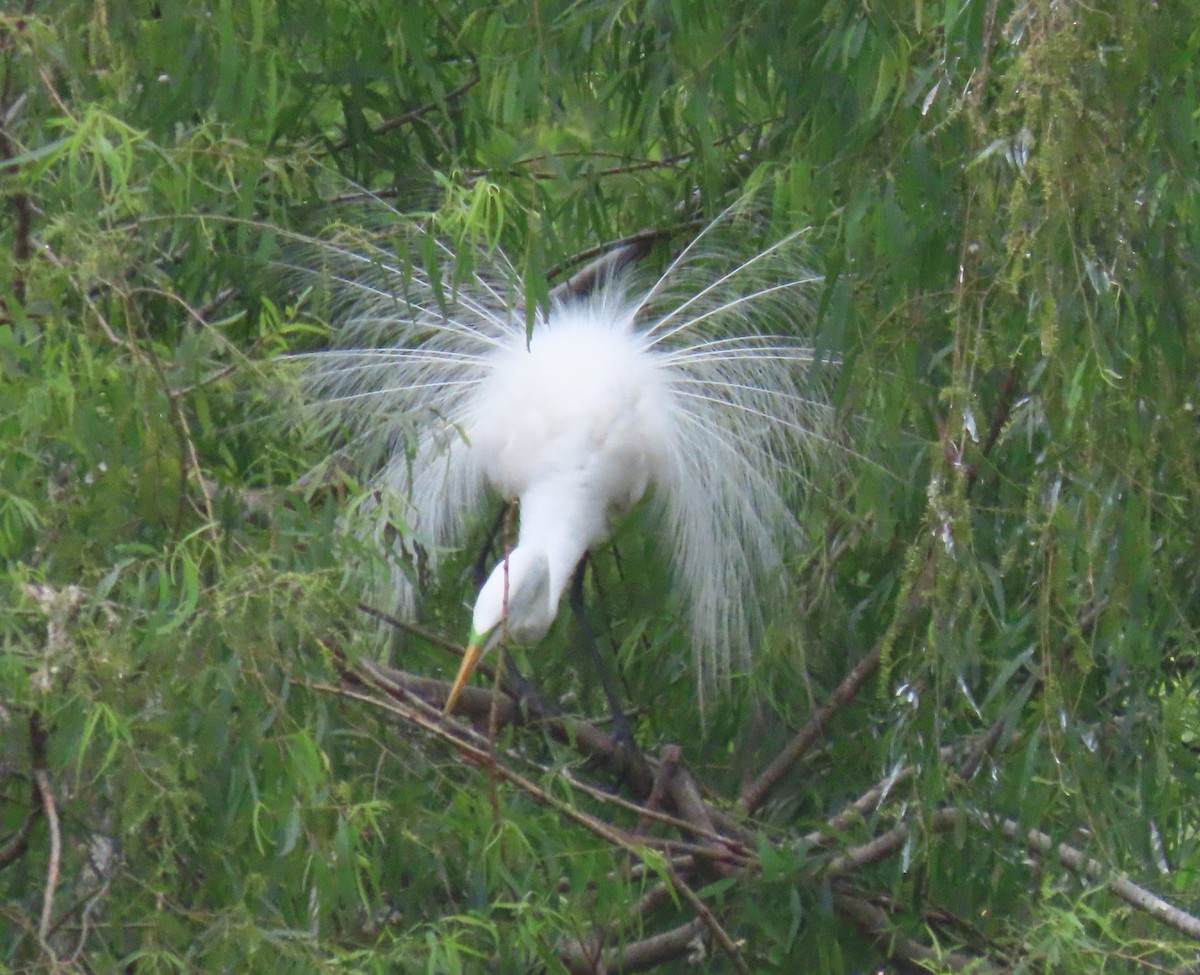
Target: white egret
[698,389]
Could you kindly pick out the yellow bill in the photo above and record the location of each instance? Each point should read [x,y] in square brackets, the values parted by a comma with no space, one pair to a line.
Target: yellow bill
[470,659]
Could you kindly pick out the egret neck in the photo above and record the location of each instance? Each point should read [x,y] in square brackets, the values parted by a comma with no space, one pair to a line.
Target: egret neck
[560,520]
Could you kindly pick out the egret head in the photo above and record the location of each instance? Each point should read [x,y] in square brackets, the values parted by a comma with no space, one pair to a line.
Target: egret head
[518,590]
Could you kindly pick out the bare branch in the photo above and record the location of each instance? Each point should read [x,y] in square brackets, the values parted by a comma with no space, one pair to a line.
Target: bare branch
[50,808]
[418,114]
[874,922]
[428,636]
[639,956]
[476,703]
[421,714]
[1116,883]
[755,792]
[15,848]
[709,919]
[887,844]
[687,799]
[605,262]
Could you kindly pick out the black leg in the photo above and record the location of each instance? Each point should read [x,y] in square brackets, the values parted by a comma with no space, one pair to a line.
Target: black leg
[622,729]
[519,687]
[479,571]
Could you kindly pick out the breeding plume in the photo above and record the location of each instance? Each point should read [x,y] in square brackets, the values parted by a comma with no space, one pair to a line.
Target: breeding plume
[697,390]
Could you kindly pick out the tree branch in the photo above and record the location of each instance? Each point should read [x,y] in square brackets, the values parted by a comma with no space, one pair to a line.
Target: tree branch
[875,923]
[887,844]
[50,808]
[692,807]
[1117,884]
[15,848]
[638,956]
[418,114]
[476,703]
[607,259]
[421,714]
[699,820]
[709,919]
[755,792]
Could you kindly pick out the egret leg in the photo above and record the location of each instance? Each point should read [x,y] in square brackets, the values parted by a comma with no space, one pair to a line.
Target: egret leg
[479,571]
[622,729]
[519,687]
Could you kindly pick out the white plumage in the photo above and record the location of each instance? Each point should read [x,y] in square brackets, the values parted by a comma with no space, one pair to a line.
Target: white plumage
[575,425]
[701,388]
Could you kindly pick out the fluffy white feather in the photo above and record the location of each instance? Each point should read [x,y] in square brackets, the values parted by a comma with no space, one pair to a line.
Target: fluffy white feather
[701,386]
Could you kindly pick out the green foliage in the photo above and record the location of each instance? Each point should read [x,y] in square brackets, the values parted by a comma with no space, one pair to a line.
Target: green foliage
[1005,203]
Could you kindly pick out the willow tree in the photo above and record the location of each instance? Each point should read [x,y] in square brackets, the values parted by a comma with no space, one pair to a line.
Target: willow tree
[970,745]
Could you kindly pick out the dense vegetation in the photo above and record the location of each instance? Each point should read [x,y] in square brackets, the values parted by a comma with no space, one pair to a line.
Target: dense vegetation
[202,765]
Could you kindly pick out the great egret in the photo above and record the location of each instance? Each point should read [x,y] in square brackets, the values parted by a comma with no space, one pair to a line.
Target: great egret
[698,389]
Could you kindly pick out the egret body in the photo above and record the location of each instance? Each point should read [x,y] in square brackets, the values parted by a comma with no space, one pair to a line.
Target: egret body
[575,424]
[700,386]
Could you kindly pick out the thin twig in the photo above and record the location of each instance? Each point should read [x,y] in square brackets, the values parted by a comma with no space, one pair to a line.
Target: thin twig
[455,649]
[84,918]
[710,921]
[647,813]
[623,169]
[50,808]
[15,848]
[418,114]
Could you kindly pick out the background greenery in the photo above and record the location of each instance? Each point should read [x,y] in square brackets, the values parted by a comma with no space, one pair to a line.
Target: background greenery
[1004,199]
